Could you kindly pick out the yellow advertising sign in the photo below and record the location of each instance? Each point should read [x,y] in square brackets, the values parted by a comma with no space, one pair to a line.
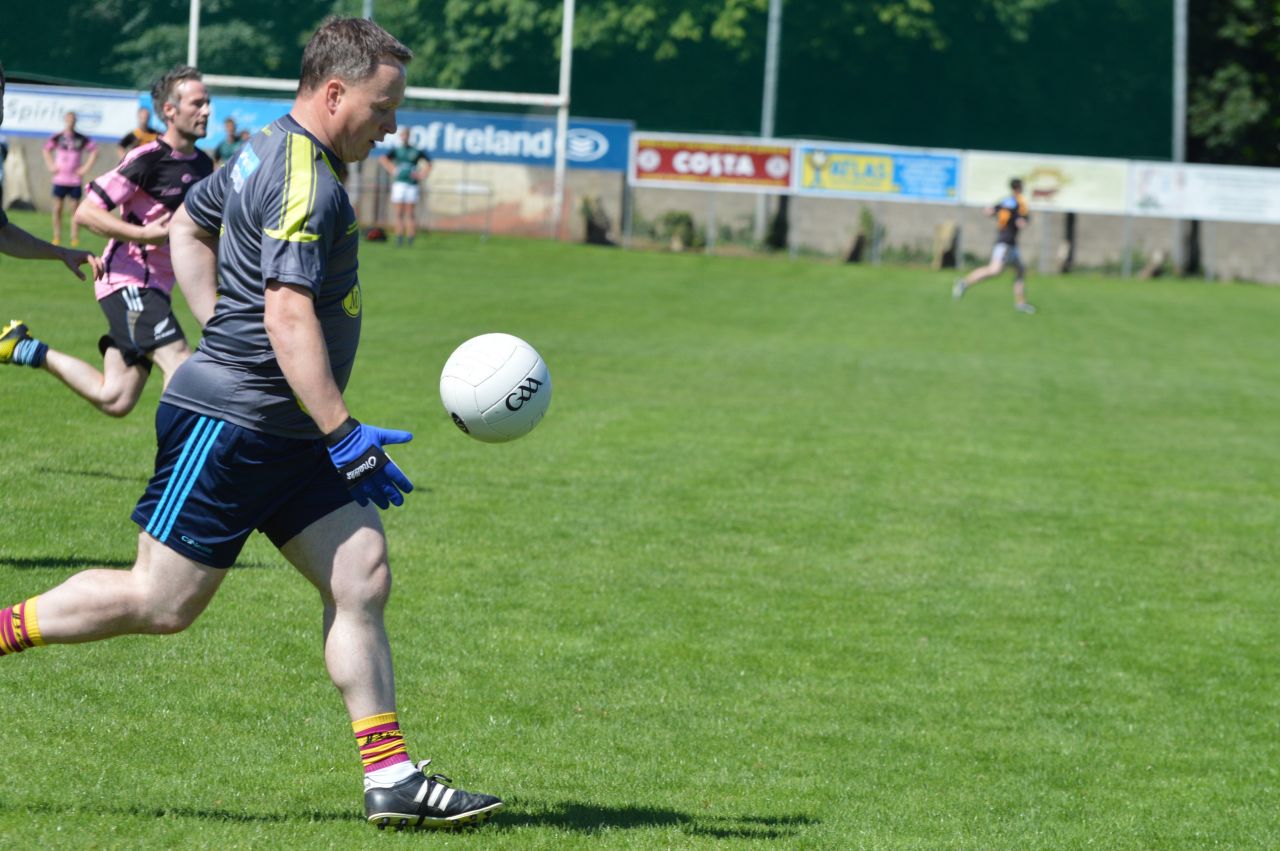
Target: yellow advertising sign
[848,172]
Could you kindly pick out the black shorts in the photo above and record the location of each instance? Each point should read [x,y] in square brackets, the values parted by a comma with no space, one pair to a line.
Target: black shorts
[67,192]
[139,321]
[215,482]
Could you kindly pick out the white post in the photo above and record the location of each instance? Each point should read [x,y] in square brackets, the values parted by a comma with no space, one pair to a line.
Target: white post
[367,12]
[772,39]
[1179,111]
[562,116]
[193,33]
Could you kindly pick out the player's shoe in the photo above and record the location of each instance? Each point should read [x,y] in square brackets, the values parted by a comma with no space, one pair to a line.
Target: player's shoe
[1025,308]
[958,288]
[13,334]
[426,801]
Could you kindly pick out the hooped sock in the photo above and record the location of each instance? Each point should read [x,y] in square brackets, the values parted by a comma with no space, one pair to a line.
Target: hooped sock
[382,748]
[19,628]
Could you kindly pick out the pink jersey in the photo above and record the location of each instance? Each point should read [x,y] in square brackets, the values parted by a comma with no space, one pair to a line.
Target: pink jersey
[68,155]
[149,184]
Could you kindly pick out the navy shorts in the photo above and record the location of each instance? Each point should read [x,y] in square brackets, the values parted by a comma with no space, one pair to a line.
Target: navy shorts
[67,191]
[139,321]
[215,482]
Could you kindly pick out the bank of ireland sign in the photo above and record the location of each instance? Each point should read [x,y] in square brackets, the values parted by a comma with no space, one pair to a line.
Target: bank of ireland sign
[478,137]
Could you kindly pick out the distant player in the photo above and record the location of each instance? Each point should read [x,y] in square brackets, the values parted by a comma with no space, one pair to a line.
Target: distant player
[16,242]
[254,432]
[230,144]
[1012,215]
[69,155]
[408,166]
[134,292]
[140,135]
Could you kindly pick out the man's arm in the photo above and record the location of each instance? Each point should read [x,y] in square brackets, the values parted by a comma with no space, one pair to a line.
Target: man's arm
[356,450]
[105,223]
[194,252]
[387,164]
[298,340]
[16,242]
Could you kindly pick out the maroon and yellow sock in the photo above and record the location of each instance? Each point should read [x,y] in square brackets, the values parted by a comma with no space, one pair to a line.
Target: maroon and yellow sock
[380,740]
[19,628]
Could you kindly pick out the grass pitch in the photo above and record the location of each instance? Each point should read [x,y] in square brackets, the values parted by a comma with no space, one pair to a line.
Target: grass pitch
[803,556]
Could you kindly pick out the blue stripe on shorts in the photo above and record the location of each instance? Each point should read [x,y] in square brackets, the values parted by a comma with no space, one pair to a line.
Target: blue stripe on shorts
[194,453]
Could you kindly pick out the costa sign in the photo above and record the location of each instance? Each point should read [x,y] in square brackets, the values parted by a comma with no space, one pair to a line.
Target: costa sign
[710,162]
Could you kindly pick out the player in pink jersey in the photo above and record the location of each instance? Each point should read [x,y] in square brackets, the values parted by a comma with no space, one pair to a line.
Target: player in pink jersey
[68,155]
[16,242]
[134,289]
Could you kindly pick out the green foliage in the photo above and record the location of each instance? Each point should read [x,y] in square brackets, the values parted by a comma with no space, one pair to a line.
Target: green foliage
[1075,77]
[1235,82]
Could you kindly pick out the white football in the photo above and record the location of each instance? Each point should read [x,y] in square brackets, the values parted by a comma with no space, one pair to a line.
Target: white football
[496,387]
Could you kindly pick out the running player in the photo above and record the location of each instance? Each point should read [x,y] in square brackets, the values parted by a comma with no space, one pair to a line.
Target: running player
[253,430]
[1012,215]
[68,155]
[134,293]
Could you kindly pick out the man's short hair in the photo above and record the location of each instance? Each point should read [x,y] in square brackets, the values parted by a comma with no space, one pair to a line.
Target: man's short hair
[1016,184]
[347,48]
[165,89]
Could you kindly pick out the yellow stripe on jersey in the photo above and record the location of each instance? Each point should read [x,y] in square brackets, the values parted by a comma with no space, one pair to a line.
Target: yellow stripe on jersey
[299,191]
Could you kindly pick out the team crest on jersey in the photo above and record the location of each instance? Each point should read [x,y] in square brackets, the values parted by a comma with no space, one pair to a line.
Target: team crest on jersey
[246,163]
[351,304]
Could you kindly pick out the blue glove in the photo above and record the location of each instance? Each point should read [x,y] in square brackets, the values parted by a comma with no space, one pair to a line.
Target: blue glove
[356,450]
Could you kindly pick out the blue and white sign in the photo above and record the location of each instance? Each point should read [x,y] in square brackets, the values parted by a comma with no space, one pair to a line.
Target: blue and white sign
[473,136]
[889,173]
[525,140]
[101,114]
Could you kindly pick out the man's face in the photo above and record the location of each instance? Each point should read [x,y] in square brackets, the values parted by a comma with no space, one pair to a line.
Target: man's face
[231,128]
[69,121]
[366,111]
[190,115]
[144,118]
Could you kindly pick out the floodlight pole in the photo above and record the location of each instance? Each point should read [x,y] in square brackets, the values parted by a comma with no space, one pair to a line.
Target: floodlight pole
[772,40]
[193,33]
[1179,110]
[562,116]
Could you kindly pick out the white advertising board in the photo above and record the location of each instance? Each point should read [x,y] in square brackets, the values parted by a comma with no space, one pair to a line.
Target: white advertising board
[1206,192]
[1075,184]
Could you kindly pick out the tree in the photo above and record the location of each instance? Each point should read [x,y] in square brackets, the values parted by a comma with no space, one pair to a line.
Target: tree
[1234,59]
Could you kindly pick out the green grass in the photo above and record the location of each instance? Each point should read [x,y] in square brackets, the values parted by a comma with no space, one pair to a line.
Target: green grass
[803,556]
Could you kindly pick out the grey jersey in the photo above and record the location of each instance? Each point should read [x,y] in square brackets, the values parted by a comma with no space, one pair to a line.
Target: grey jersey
[281,214]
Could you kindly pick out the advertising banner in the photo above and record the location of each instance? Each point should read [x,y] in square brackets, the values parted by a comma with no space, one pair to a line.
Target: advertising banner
[1069,184]
[530,140]
[101,114]
[885,173]
[723,163]
[1206,192]
[475,137]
